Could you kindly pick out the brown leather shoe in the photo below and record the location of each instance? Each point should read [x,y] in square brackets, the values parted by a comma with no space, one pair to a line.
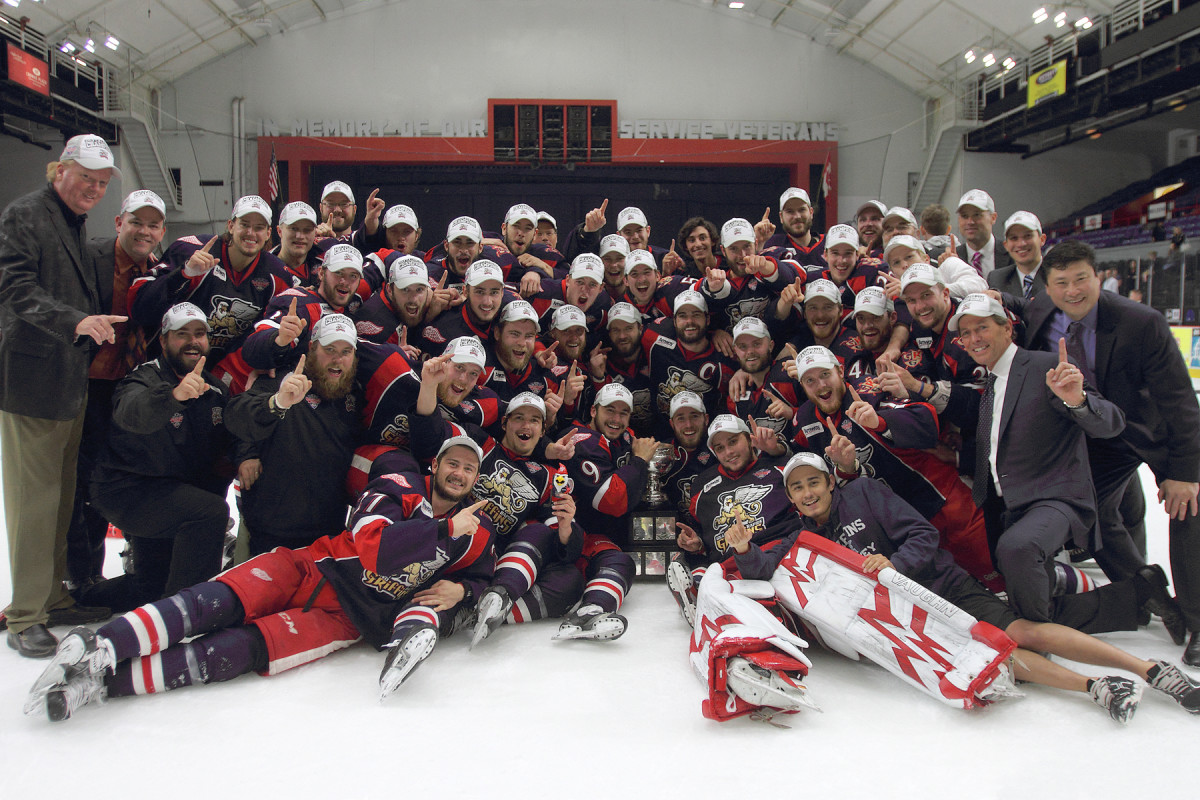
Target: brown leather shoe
[33,642]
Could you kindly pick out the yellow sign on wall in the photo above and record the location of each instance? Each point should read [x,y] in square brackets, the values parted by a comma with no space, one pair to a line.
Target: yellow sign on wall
[1047,83]
[1189,345]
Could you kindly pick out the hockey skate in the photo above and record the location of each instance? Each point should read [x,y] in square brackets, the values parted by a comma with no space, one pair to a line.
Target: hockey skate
[1171,680]
[679,579]
[591,622]
[760,686]
[493,607]
[404,656]
[1118,696]
[80,652]
[81,688]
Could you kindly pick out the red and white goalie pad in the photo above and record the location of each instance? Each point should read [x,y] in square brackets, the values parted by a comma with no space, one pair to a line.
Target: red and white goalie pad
[729,624]
[895,622]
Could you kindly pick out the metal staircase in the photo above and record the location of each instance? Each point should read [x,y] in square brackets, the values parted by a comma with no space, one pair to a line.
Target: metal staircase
[937,170]
[141,139]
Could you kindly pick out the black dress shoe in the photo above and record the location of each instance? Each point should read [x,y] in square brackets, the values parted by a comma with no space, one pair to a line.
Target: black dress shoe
[33,642]
[78,615]
[1160,602]
[1191,653]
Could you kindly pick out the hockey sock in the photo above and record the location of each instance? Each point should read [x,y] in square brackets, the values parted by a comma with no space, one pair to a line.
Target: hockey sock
[219,656]
[412,617]
[558,588]
[517,569]
[155,626]
[609,575]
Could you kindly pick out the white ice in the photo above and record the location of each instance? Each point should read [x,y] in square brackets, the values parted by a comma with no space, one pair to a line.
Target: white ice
[522,716]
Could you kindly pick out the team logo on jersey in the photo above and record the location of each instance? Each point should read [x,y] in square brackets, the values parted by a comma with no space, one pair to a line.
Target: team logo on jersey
[397,479]
[537,387]
[744,502]
[229,318]
[762,473]
[508,492]
[680,380]
[217,417]
[685,493]
[409,578]
[351,403]
[751,307]
[366,328]
[467,407]
[177,419]
[868,385]
[911,359]
[396,431]
[260,283]
[312,400]
[432,334]
[846,426]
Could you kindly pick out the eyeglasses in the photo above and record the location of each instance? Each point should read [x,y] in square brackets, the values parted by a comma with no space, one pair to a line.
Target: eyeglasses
[344,206]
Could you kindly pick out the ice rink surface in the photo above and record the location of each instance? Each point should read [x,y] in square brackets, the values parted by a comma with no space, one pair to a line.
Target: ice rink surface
[524,716]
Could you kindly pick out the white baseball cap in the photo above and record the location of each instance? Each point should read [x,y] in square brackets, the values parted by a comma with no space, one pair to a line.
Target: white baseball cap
[294,212]
[873,300]
[614,393]
[343,256]
[876,204]
[335,328]
[518,310]
[181,314]
[752,326]
[841,234]
[736,230]
[977,198]
[1025,219]
[793,193]
[640,258]
[466,350]
[903,213]
[587,265]
[251,204]
[815,357]
[337,186]
[408,271]
[544,217]
[690,297]
[823,288]
[624,312]
[631,215]
[727,423]
[400,213]
[977,304]
[519,212]
[482,271]
[686,399]
[90,152]
[143,198]
[461,441]
[526,399]
[926,274]
[567,317]
[804,459]
[903,240]
[614,243]
[464,226]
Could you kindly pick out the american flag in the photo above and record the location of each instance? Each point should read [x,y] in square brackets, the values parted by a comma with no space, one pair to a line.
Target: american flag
[826,173]
[273,179]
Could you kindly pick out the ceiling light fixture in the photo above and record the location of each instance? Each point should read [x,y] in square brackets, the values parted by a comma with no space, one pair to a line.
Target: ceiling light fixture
[111,42]
[1040,16]
[737,4]
[969,56]
[989,59]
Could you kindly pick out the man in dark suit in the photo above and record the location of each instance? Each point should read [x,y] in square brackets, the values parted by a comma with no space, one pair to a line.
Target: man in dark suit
[1031,478]
[50,315]
[1136,364]
[976,216]
[1023,241]
[119,260]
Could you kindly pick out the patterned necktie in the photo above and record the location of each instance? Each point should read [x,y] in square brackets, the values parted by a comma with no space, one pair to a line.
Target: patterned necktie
[977,262]
[1027,283]
[1077,352]
[983,442]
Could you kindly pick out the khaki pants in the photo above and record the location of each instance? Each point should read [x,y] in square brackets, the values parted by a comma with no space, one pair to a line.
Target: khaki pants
[39,462]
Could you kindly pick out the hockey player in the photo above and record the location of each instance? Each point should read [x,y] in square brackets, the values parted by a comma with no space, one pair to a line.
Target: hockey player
[484,289]
[633,225]
[767,382]
[700,240]
[822,315]
[413,556]
[868,369]
[868,222]
[514,365]
[297,233]
[622,361]
[870,519]
[525,255]
[649,292]
[337,212]
[400,305]
[582,288]
[613,252]
[902,251]
[796,242]
[748,284]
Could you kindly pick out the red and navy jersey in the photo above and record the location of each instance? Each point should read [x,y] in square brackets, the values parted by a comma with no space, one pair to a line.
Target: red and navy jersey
[891,453]
[507,385]
[514,270]
[447,326]
[747,296]
[377,321]
[859,371]
[662,302]
[677,484]
[753,402]
[233,301]
[633,377]
[517,489]
[673,369]
[260,350]
[782,247]
[553,294]
[438,264]
[757,493]
[306,274]
[845,344]
[866,273]
[608,482]
[394,547]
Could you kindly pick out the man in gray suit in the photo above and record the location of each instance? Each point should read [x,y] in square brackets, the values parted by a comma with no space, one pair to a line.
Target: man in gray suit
[1031,476]
[1024,240]
[50,317]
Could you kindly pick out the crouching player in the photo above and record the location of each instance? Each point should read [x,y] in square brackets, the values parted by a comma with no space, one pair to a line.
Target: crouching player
[412,557]
[867,517]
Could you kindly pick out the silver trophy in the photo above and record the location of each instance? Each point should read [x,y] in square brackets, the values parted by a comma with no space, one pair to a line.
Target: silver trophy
[660,463]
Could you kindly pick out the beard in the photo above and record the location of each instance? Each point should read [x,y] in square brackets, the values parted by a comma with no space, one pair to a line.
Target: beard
[176,363]
[323,385]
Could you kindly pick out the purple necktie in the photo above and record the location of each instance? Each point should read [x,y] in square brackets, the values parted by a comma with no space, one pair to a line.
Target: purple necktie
[977,262]
[1027,281]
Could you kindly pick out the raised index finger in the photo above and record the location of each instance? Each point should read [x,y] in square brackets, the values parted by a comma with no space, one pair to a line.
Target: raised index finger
[604,205]
[474,507]
[208,245]
[672,248]
[299,370]
[1062,351]
[832,428]
[854,393]
[766,215]
[199,365]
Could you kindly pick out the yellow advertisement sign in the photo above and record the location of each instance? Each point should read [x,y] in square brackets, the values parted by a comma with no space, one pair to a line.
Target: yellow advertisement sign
[1047,83]
[1189,345]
